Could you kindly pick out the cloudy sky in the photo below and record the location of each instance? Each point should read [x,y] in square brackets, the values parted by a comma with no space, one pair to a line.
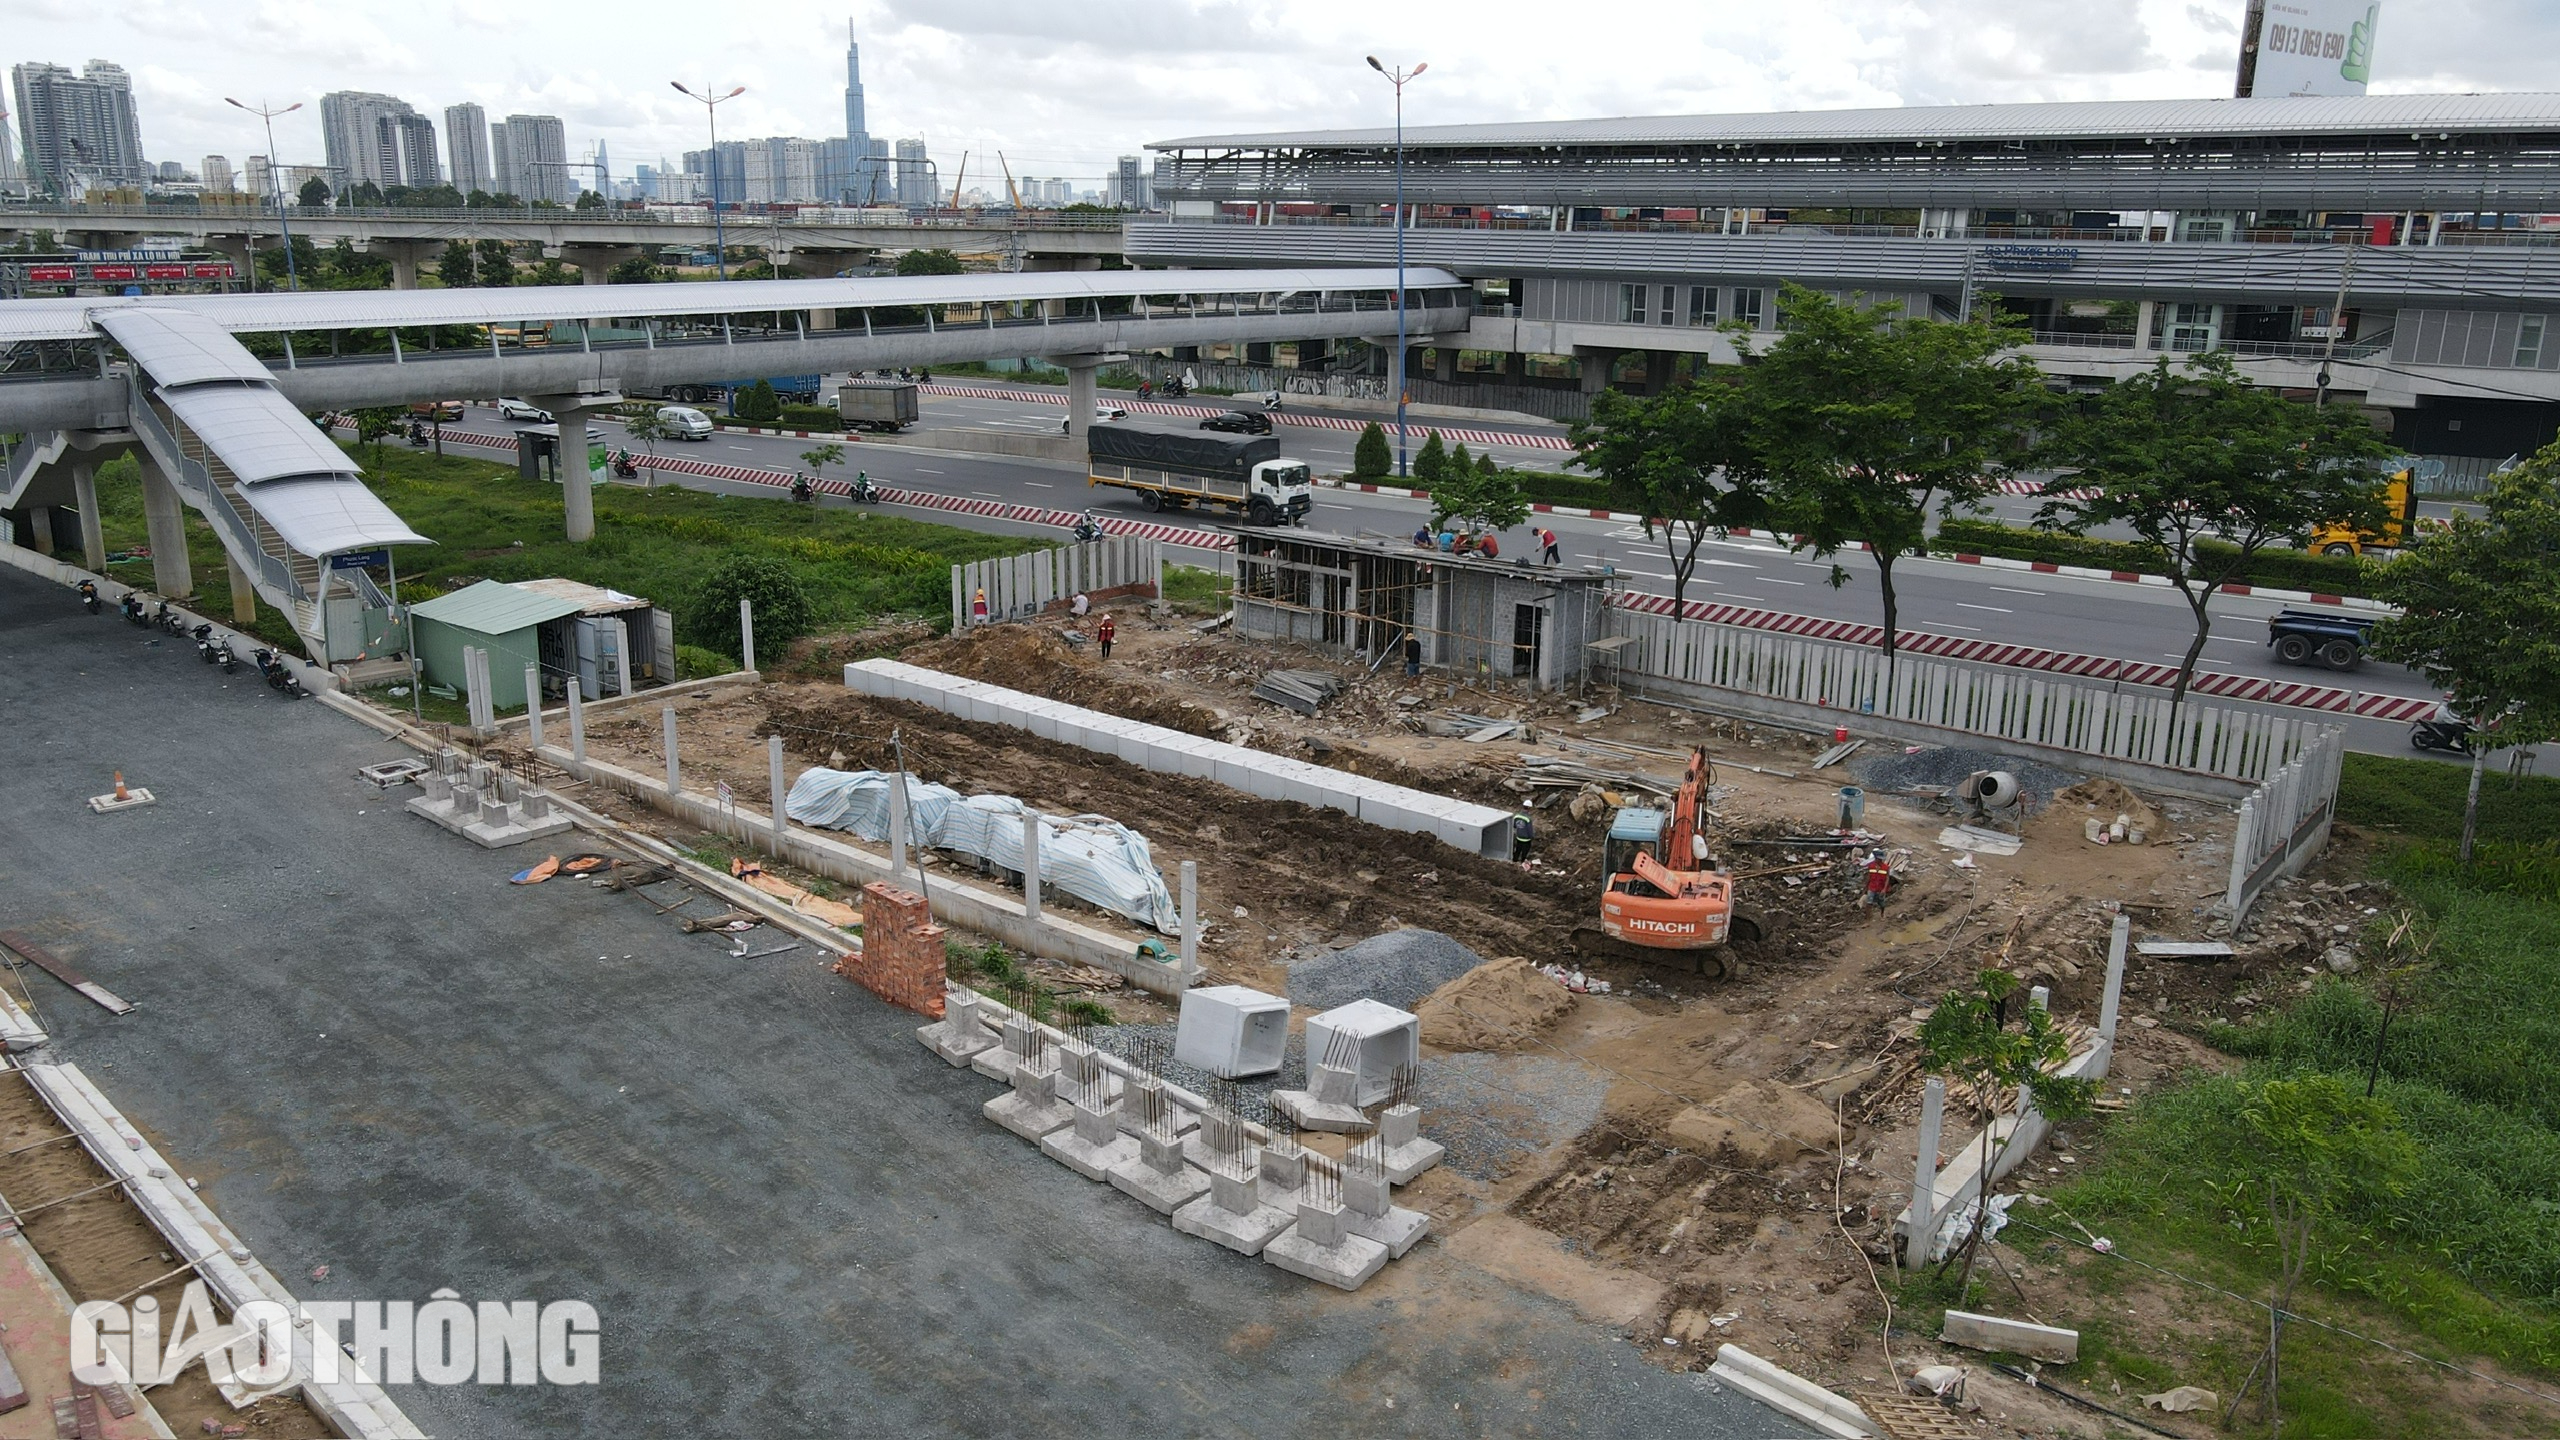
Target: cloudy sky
[1061,87]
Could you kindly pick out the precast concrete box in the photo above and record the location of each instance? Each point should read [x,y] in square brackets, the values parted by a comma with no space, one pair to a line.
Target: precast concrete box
[1231,1031]
[1388,1037]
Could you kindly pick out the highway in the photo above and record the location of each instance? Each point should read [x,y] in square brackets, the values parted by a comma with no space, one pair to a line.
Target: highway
[2142,624]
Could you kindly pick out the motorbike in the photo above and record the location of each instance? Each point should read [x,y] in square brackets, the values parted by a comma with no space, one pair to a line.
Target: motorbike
[89,596]
[279,676]
[169,621]
[924,377]
[132,608]
[418,434]
[864,492]
[801,492]
[1175,389]
[1088,529]
[1271,402]
[204,642]
[223,656]
[2444,732]
[624,466]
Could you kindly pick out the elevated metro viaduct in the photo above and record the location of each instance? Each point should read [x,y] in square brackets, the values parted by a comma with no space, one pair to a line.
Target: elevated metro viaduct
[590,241]
[217,428]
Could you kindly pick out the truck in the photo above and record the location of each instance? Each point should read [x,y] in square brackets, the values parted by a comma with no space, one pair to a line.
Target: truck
[2400,498]
[879,405]
[1171,469]
[790,389]
[2337,640]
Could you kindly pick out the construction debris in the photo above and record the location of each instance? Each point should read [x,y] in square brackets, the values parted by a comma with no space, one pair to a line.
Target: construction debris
[803,901]
[1836,754]
[1978,840]
[65,972]
[2184,949]
[1300,690]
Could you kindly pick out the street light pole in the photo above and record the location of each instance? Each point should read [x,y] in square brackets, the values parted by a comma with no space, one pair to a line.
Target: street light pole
[711,107]
[1397,77]
[275,185]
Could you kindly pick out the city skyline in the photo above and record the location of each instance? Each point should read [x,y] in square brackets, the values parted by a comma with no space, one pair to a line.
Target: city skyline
[1066,97]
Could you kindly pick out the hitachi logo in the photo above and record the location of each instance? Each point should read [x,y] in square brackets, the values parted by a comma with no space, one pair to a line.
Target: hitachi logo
[1665,927]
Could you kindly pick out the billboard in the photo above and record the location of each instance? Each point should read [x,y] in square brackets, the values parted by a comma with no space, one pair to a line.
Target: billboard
[2307,47]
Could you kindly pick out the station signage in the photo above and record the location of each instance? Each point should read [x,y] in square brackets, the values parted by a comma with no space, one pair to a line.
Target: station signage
[2030,258]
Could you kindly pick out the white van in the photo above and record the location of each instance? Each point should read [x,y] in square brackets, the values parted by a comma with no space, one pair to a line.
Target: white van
[685,422]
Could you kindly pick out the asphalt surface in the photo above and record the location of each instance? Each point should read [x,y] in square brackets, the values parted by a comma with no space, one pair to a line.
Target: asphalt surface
[2140,623]
[382,1059]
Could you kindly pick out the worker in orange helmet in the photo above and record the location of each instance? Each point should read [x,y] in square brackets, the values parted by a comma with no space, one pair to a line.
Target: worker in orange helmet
[978,607]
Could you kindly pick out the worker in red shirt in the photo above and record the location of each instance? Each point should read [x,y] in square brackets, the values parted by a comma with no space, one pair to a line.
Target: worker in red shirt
[978,607]
[1109,629]
[1547,543]
[1879,879]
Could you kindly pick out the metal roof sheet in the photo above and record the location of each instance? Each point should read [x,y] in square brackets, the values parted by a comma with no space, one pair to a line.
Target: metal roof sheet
[590,599]
[493,608]
[2075,119]
[256,432]
[322,515]
[180,347]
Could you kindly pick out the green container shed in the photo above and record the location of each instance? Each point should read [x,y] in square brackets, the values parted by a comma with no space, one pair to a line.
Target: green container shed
[492,616]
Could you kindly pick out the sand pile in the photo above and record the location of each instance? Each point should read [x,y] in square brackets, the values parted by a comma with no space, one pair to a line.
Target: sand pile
[1500,1005]
[2105,799]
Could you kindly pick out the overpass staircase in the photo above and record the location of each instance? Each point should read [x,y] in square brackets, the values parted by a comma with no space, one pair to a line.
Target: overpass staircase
[282,576]
[31,462]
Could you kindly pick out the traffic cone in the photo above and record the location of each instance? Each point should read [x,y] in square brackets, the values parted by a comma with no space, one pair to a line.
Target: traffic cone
[122,794]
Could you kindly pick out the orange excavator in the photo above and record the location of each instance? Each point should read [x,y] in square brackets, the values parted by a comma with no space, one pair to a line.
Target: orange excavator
[1667,900]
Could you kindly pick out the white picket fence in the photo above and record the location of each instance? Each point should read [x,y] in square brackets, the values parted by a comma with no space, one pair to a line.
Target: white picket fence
[1020,585]
[2285,822]
[2020,706]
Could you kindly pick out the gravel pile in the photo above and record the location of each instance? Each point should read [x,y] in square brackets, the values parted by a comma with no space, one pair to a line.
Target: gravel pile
[1940,767]
[1254,1102]
[1397,968]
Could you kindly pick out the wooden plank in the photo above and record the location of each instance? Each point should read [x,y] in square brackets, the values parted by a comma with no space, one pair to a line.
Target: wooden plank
[65,972]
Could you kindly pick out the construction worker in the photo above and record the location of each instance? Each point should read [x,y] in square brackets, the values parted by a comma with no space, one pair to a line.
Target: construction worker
[1522,832]
[1104,633]
[1080,606]
[1412,653]
[1547,539]
[978,607]
[1879,879]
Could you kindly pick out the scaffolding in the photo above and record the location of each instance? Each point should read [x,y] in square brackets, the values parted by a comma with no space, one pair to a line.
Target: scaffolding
[1490,621]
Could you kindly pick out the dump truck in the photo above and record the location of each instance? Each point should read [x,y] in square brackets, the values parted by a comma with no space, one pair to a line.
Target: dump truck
[883,406]
[2400,501]
[1171,469]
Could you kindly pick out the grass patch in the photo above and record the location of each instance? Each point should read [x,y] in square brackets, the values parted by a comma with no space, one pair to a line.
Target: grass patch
[1191,590]
[992,968]
[2422,800]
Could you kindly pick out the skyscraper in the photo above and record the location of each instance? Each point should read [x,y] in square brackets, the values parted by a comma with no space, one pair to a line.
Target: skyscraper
[531,156]
[259,178]
[78,124]
[351,132]
[601,176]
[1127,184]
[466,143]
[405,150]
[918,186]
[855,127]
[217,175]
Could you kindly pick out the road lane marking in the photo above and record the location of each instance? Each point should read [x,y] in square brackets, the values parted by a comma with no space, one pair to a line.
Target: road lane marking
[921,471]
[1994,609]
[1774,580]
[1951,625]
[1039,484]
[1746,599]
[2013,590]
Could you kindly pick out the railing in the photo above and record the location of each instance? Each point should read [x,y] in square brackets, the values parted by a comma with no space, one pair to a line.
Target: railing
[1366,218]
[2085,339]
[75,215]
[192,475]
[2285,822]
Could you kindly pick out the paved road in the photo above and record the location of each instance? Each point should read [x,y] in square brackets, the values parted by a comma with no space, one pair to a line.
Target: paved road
[381,1058]
[2145,624]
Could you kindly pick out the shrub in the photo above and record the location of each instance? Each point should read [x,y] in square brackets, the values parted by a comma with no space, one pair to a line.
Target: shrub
[693,662]
[758,403]
[1370,458]
[810,417]
[2280,569]
[782,608]
[1431,462]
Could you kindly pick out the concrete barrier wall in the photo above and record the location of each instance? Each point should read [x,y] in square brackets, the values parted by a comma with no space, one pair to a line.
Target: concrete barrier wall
[1478,829]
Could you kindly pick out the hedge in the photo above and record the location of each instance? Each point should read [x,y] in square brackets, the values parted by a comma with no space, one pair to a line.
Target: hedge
[810,417]
[2279,569]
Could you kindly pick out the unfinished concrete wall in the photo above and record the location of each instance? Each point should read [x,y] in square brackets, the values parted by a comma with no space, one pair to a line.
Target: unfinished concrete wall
[901,957]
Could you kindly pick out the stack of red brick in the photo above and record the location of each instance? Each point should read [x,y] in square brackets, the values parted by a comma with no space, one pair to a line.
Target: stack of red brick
[901,958]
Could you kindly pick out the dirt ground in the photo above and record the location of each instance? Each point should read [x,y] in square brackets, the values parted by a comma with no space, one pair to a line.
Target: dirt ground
[1758,1135]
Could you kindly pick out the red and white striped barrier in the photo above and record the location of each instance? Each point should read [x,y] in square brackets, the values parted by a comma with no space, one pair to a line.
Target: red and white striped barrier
[2034,657]
[1310,420]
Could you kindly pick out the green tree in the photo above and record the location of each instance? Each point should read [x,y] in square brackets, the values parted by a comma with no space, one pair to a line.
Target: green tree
[1370,457]
[1430,462]
[455,268]
[590,200]
[366,193]
[819,457]
[638,270]
[1864,421]
[1998,1042]
[1460,460]
[2313,1147]
[314,193]
[929,262]
[1681,459]
[305,265]
[783,610]
[2479,616]
[375,422]
[758,403]
[2179,455]
[1491,497]
[550,272]
[497,264]
[648,428]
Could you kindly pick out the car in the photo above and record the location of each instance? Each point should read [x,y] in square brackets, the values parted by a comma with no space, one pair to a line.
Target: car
[519,411]
[1239,422]
[447,411]
[1103,412]
[686,423]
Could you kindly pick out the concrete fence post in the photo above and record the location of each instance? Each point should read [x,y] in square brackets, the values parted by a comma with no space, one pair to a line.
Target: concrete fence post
[781,818]
[1190,918]
[897,823]
[668,717]
[1031,866]
[746,634]
[577,730]
[471,686]
[533,706]
[1924,1181]
[2119,940]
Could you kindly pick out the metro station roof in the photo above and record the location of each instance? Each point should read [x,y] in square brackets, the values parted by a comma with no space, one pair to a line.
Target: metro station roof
[2138,120]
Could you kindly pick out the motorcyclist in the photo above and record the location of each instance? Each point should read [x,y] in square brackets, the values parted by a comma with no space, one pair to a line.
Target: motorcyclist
[800,490]
[862,486]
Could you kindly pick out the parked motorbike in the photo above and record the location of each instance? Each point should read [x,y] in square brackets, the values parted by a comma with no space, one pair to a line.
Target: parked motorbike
[2444,731]
[169,621]
[89,596]
[864,492]
[279,676]
[204,642]
[223,656]
[132,608]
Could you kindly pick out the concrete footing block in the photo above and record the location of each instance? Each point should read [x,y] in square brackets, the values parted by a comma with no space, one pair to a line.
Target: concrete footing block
[2017,1337]
[1408,1154]
[1160,1177]
[960,1036]
[1091,1145]
[1031,1109]
[1368,1213]
[1233,1215]
[1314,1114]
[1320,1246]
[1284,1173]
[1791,1395]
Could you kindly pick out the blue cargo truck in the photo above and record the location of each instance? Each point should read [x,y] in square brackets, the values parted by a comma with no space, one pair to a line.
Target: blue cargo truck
[791,389]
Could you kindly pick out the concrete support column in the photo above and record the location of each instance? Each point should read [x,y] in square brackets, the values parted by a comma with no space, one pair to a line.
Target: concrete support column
[577,729]
[2143,314]
[1080,390]
[244,596]
[897,824]
[404,268]
[164,519]
[1444,364]
[2119,940]
[746,634]
[1190,918]
[1031,865]
[1657,371]
[533,706]
[93,534]
[577,496]
[40,529]
[1597,362]
[781,817]
[1924,1173]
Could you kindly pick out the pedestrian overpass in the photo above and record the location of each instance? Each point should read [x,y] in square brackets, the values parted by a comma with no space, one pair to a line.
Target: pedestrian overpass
[178,381]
